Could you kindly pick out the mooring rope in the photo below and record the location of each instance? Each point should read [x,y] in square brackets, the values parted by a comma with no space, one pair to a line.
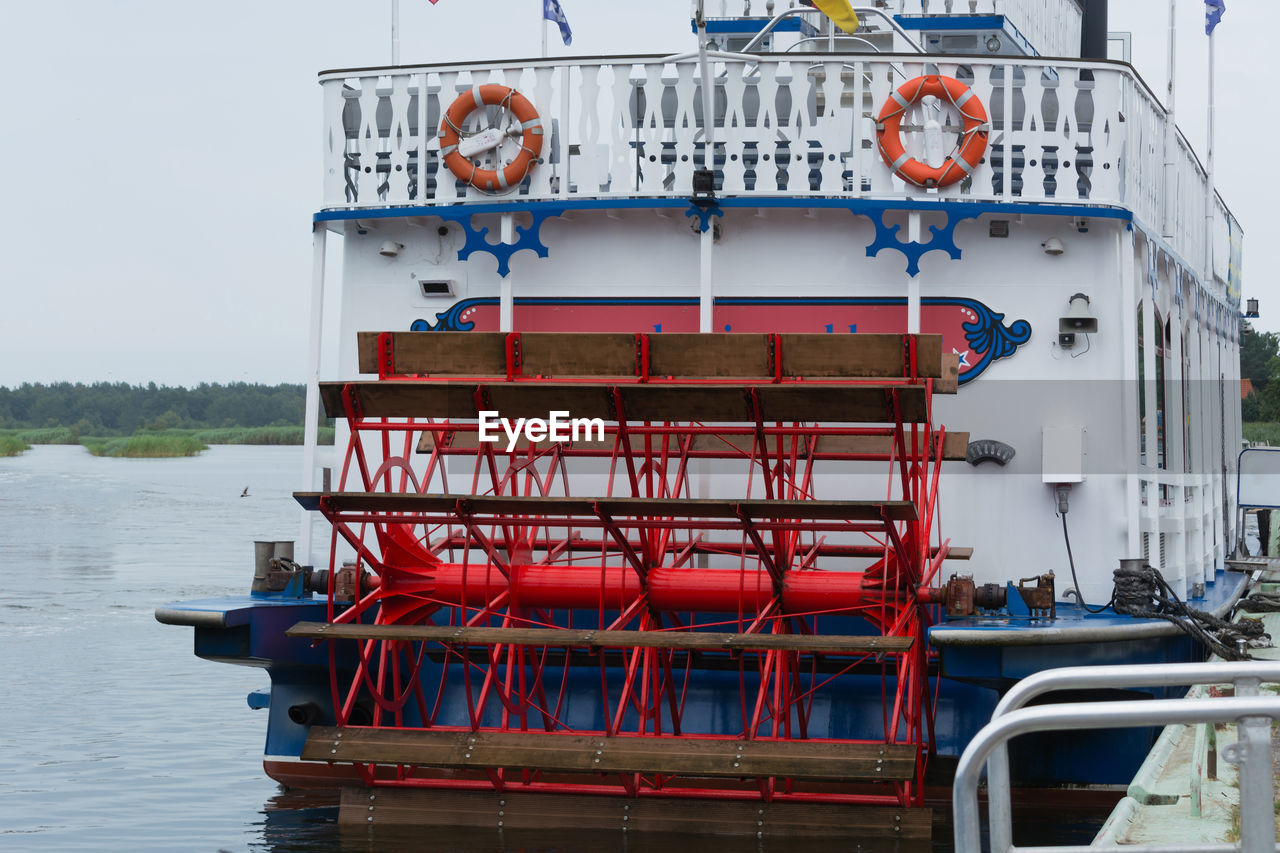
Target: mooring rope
[1144,592]
[1261,602]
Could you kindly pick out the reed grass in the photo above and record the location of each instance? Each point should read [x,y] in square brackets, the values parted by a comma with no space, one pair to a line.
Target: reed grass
[47,435]
[158,443]
[12,445]
[1262,432]
[146,446]
[274,435]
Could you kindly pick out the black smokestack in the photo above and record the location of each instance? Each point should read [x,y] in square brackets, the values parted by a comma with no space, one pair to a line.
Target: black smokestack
[1093,30]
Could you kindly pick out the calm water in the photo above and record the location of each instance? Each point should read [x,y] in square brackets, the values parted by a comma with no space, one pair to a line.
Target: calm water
[115,736]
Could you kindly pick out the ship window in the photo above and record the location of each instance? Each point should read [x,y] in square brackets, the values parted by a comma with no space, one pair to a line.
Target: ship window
[1161,353]
[1142,390]
[1162,374]
[1186,407]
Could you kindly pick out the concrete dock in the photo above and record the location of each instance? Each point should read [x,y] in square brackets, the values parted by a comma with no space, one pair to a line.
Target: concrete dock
[1186,791]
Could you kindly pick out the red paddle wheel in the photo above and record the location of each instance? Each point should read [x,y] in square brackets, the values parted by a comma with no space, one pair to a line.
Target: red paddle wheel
[675,598]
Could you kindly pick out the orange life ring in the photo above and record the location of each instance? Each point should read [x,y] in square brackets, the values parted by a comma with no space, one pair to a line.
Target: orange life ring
[477,97]
[973,140]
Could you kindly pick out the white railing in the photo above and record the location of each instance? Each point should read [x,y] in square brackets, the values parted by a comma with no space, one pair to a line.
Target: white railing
[1061,132]
[1254,714]
[1246,676]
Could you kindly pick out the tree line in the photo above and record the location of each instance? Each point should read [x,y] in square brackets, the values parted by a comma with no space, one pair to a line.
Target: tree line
[117,408]
[1260,364]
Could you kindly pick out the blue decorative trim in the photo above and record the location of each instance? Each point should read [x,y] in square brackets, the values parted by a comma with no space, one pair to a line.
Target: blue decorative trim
[943,240]
[969,209]
[951,22]
[749,25]
[886,236]
[704,212]
[1153,267]
[608,300]
[988,334]
[854,205]
[451,320]
[526,238]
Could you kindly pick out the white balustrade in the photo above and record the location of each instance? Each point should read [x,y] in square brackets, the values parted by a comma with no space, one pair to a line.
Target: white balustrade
[1079,133]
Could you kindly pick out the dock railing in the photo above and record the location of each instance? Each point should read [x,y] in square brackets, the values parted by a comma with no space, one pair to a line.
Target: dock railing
[1010,719]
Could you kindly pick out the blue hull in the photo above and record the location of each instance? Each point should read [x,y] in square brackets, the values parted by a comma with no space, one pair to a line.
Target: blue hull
[978,660]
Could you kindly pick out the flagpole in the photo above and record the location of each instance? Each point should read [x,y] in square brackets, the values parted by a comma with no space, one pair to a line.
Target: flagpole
[1171,129]
[1211,205]
[395,32]
[543,15]
[708,117]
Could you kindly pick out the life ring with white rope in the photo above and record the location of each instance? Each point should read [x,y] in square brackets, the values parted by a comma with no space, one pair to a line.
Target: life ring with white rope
[458,147]
[963,159]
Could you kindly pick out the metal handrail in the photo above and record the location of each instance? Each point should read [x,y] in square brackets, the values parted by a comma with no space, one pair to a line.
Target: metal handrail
[1009,720]
[1000,815]
[859,10]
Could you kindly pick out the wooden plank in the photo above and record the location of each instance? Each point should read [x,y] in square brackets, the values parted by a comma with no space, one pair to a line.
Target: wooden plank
[640,402]
[555,752]
[955,552]
[507,505]
[871,356]
[559,820]
[727,445]
[954,446]
[702,355]
[577,354]
[463,442]
[949,381]
[438,353]
[601,639]
[677,355]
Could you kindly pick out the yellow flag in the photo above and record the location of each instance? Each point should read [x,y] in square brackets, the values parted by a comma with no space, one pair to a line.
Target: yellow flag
[840,12]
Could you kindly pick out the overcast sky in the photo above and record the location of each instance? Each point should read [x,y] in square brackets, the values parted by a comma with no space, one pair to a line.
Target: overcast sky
[161,160]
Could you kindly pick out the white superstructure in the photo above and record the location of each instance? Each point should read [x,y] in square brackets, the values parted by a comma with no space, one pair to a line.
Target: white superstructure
[1084,187]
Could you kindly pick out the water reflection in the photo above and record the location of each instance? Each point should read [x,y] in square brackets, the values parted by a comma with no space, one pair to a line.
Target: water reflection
[300,821]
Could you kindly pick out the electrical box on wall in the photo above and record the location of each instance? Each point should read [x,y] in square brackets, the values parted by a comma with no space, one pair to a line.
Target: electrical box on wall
[1062,459]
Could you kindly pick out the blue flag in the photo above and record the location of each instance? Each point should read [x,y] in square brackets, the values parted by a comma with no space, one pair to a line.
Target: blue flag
[552,12]
[1213,10]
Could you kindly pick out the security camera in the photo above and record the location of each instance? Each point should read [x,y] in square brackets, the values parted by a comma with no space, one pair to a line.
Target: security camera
[389,249]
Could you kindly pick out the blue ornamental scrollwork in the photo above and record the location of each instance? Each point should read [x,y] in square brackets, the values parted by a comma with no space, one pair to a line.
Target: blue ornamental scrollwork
[943,239]
[477,238]
[703,212]
[452,320]
[987,333]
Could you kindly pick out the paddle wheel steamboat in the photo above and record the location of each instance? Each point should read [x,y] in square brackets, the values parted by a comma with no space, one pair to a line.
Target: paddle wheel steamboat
[748,344]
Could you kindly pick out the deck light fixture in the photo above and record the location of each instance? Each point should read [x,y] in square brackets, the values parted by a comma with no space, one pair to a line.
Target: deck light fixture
[390,248]
[704,187]
[1251,308]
